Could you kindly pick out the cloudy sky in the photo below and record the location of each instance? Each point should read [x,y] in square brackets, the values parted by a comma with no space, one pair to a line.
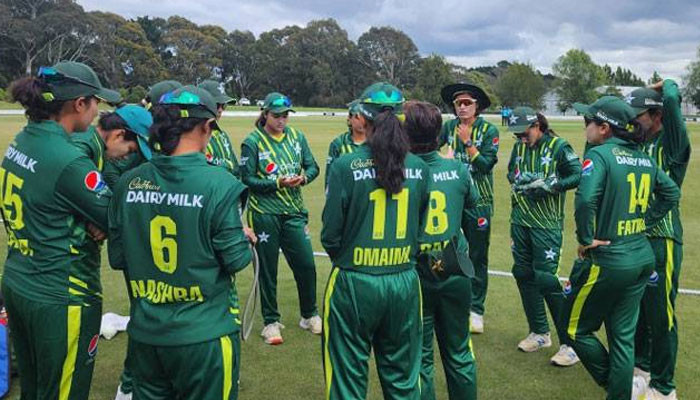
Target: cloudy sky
[643,35]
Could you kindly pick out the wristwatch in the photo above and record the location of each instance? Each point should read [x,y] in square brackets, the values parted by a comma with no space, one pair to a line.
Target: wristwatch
[469,143]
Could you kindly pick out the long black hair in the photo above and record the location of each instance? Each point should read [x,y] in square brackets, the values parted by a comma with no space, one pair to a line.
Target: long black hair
[110,121]
[544,125]
[29,92]
[422,125]
[168,126]
[389,145]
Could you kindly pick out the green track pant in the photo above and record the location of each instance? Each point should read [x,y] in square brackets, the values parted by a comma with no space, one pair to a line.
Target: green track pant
[596,295]
[476,225]
[657,329]
[55,346]
[446,314]
[536,254]
[364,312]
[290,233]
[202,371]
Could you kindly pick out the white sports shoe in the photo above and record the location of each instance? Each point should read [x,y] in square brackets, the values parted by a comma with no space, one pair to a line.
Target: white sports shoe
[271,333]
[121,395]
[644,374]
[313,324]
[476,323]
[565,357]
[534,342]
[639,388]
[653,394]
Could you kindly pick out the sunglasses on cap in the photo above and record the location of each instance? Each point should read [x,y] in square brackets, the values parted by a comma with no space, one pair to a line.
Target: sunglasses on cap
[463,102]
[281,102]
[381,97]
[53,76]
[186,98]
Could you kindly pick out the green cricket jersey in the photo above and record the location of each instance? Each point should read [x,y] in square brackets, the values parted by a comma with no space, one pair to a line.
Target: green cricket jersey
[451,190]
[364,228]
[115,168]
[612,202]
[671,152]
[550,157]
[180,277]
[485,138]
[342,144]
[92,145]
[265,159]
[49,190]
[220,152]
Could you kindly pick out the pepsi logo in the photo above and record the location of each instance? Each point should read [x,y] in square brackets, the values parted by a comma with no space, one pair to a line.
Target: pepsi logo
[587,167]
[271,168]
[496,141]
[654,277]
[94,181]
[92,347]
[567,287]
[482,222]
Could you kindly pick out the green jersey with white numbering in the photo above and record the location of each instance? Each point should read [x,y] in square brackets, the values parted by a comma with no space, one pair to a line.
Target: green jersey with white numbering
[485,137]
[551,157]
[180,239]
[265,159]
[367,229]
[49,191]
[613,202]
[671,152]
[341,144]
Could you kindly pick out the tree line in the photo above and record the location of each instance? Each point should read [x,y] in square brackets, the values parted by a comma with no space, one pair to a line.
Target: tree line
[316,65]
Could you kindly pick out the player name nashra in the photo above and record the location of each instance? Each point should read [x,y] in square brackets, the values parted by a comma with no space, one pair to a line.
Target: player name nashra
[170,199]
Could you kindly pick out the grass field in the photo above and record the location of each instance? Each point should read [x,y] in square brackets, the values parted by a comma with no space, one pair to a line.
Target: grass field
[293,370]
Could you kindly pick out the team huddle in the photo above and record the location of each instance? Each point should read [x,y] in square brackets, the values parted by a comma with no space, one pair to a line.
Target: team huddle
[406,223]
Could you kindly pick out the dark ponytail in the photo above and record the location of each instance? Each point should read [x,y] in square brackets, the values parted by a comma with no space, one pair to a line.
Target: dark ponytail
[544,125]
[262,119]
[389,146]
[29,92]
[168,126]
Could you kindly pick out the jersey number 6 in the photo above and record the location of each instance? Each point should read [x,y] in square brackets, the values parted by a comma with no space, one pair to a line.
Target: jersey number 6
[163,232]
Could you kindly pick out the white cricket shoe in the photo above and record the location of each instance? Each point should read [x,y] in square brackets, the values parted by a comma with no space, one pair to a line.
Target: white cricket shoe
[639,388]
[653,394]
[121,395]
[313,324]
[476,323]
[644,374]
[271,333]
[565,357]
[534,342]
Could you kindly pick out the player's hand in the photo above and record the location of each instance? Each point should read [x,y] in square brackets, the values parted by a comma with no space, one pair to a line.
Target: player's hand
[464,133]
[658,86]
[95,233]
[596,243]
[286,181]
[250,235]
[450,153]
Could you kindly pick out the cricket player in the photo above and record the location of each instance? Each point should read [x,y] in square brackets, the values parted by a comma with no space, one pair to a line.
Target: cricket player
[220,150]
[474,141]
[375,204]
[659,108]
[276,162]
[612,212]
[349,141]
[446,297]
[52,196]
[182,313]
[542,167]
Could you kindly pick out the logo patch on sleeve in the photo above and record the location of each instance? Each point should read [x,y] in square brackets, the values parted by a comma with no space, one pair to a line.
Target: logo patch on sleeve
[271,168]
[567,288]
[94,181]
[587,167]
[92,347]
[496,141]
[482,223]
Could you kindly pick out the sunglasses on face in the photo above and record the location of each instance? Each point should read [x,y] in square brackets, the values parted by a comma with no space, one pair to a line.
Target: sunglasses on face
[463,102]
[281,102]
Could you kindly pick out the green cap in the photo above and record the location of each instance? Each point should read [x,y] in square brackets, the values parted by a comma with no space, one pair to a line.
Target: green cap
[69,80]
[610,109]
[643,99]
[277,103]
[378,97]
[216,89]
[193,102]
[139,121]
[521,119]
[354,107]
[159,89]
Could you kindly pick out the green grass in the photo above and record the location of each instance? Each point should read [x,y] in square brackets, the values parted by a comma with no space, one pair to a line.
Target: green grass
[293,370]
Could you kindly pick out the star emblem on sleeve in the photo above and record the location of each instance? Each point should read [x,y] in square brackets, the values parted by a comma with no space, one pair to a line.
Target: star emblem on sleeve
[550,254]
[546,159]
[262,236]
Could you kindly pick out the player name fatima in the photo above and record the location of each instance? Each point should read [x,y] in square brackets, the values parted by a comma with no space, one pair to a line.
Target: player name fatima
[370,173]
[170,199]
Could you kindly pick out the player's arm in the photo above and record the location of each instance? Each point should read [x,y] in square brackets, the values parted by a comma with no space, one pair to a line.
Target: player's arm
[587,201]
[334,212]
[73,191]
[676,141]
[486,157]
[471,196]
[228,240]
[115,249]
[568,169]
[666,196]
[333,153]
[249,170]
[512,163]
[311,169]
[444,134]
[233,167]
